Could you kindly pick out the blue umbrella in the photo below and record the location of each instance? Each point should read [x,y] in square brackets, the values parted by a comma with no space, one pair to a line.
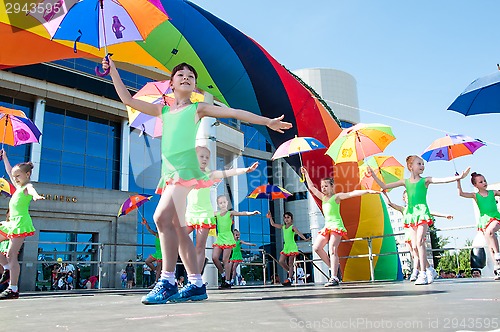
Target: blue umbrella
[481,96]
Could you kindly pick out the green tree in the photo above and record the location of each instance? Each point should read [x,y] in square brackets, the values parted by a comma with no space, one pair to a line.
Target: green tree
[453,261]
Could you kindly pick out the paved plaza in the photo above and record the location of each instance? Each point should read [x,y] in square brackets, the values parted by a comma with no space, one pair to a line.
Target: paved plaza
[449,304]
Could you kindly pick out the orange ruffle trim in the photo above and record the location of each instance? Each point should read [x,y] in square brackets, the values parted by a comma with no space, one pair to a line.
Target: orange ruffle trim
[13,236]
[489,222]
[328,231]
[197,184]
[429,222]
[224,246]
[155,259]
[293,253]
[236,260]
[202,226]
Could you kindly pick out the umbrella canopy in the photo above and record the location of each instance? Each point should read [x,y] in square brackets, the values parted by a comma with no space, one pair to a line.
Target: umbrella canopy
[450,147]
[159,92]
[6,187]
[386,168]
[360,141]
[100,23]
[269,191]
[481,96]
[16,128]
[132,203]
[297,145]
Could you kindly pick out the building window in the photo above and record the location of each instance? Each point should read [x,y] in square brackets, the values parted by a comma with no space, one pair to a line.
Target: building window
[80,150]
[255,229]
[254,139]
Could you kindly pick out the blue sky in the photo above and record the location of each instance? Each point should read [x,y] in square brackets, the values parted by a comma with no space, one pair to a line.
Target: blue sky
[411,59]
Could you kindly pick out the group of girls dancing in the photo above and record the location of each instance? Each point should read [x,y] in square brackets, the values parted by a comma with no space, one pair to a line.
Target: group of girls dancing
[185,181]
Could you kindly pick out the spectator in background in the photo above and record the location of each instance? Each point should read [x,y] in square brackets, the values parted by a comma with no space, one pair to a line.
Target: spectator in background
[461,274]
[130,270]
[452,275]
[123,278]
[476,273]
[146,276]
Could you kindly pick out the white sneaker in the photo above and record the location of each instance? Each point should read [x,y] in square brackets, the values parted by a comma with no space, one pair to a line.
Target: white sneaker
[414,275]
[422,279]
[431,274]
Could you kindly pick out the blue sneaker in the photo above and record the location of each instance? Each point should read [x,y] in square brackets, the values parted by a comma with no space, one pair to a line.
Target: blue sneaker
[190,292]
[161,293]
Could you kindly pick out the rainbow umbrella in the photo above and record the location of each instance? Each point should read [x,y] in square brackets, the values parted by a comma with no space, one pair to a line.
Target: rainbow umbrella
[6,187]
[132,203]
[16,128]
[451,147]
[99,23]
[159,92]
[297,145]
[270,192]
[386,168]
[360,141]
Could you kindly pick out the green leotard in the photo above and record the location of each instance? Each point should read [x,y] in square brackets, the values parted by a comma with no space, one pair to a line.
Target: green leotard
[333,219]
[20,223]
[488,210]
[236,255]
[225,238]
[289,246]
[178,153]
[199,211]
[417,211]
[157,254]
[4,247]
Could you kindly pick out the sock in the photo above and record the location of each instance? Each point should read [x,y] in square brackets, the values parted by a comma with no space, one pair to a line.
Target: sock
[195,279]
[223,275]
[14,288]
[497,256]
[168,276]
[6,267]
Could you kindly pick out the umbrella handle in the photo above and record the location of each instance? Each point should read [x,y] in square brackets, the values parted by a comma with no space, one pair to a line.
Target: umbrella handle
[98,70]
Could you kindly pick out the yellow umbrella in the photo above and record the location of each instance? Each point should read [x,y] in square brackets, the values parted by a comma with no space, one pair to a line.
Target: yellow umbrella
[386,168]
[360,141]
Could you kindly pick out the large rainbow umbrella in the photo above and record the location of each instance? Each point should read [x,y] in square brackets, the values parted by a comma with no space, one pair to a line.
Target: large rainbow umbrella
[159,92]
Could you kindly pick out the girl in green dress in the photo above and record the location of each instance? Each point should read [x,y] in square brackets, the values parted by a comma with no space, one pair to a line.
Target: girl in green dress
[225,239]
[334,228]
[290,249]
[19,226]
[236,255]
[409,234]
[418,215]
[200,212]
[489,216]
[180,174]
